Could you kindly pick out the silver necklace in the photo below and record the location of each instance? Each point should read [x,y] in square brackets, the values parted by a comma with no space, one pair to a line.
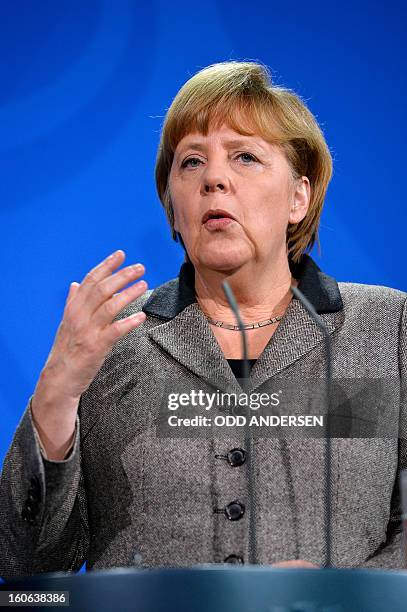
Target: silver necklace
[270,321]
[246,326]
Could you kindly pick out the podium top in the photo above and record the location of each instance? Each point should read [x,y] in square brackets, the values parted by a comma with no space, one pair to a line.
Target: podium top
[222,589]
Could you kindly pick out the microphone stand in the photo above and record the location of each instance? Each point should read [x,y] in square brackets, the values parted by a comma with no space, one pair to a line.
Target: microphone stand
[248,434]
[328,451]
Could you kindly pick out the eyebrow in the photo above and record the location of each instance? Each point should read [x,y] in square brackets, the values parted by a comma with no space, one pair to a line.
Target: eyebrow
[199,146]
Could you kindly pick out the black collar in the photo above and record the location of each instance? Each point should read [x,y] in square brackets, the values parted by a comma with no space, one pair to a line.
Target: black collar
[169,299]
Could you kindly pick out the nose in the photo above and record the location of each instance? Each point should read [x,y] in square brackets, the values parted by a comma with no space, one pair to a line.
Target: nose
[214,179]
[218,186]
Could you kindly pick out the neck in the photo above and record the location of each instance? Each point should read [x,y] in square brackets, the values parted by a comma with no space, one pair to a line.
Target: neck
[261,290]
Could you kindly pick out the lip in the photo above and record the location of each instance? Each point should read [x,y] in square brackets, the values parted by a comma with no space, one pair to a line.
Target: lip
[218,224]
[218,212]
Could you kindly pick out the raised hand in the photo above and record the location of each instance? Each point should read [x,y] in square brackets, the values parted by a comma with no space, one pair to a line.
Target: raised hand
[84,338]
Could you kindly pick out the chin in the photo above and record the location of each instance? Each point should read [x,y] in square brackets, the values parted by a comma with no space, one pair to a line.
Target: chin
[222,261]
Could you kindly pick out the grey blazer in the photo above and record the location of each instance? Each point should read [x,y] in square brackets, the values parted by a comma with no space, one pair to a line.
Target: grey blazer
[127,496]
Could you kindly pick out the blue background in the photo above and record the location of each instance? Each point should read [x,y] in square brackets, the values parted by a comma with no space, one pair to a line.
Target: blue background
[83,90]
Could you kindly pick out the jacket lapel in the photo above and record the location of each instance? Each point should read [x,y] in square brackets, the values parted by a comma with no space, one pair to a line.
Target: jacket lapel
[185,330]
[296,335]
[185,336]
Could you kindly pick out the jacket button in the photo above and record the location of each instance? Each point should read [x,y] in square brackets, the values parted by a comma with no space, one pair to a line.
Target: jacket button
[235,559]
[235,510]
[236,457]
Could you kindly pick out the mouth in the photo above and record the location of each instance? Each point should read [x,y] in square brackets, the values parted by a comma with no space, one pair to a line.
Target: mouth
[217,213]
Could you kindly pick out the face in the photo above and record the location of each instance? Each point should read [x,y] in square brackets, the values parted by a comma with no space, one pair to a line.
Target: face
[245,176]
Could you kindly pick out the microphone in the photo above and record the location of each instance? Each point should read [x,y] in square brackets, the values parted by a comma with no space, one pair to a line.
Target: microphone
[248,435]
[328,451]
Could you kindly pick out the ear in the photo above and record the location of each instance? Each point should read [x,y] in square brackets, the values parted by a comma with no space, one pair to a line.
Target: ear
[300,200]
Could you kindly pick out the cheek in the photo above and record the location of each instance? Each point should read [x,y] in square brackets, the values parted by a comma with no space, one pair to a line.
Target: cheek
[175,196]
[178,190]
[269,202]
[184,216]
[269,215]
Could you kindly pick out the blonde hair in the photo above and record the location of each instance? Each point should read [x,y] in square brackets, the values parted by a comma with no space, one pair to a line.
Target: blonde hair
[241,95]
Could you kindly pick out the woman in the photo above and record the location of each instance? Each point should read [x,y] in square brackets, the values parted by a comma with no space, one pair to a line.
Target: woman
[242,172]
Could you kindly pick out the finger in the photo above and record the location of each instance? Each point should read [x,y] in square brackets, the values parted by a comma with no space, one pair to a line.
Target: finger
[93,277]
[120,328]
[73,287]
[106,288]
[105,314]
[102,270]
[295,563]
[72,290]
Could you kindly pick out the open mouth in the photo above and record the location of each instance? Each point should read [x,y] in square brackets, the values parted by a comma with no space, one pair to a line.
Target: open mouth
[217,215]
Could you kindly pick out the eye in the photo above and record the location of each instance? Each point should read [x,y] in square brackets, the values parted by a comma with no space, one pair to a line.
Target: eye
[249,157]
[185,163]
[194,162]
